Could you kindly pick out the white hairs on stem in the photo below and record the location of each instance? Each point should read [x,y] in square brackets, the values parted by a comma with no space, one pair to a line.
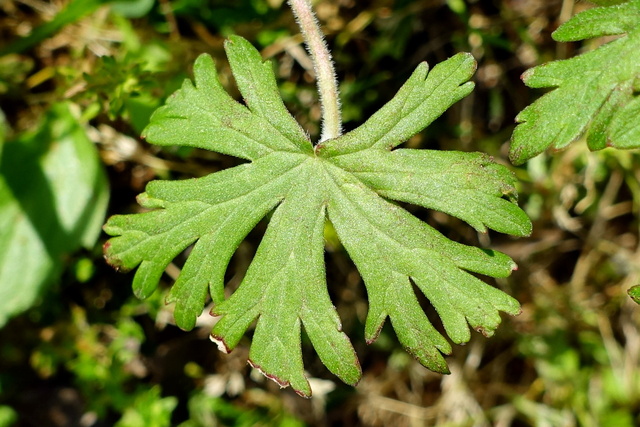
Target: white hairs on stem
[323,66]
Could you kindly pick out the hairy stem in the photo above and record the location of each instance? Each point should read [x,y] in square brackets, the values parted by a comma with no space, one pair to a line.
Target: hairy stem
[323,66]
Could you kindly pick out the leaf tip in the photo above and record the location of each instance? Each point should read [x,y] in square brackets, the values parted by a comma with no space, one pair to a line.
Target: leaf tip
[372,333]
[302,394]
[527,75]
[282,383]
[471,59]
[219,341]
[111,229]
[516,156]
[141,292]
[424,68]
[487,333]
[112,259]
[233,38]
[357,379]
[142,199]
[525,230]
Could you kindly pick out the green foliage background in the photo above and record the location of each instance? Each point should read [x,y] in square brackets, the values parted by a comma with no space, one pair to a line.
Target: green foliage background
[88,353]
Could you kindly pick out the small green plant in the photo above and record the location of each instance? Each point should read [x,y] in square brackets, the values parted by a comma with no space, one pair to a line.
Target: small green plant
[596,95]
[105,361]
[349,180]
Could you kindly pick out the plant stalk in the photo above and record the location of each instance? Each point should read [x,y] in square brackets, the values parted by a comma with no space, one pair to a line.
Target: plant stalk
[323,66]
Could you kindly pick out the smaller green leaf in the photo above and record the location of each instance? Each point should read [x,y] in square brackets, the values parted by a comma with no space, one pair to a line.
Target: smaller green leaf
[600,21]
[595,95]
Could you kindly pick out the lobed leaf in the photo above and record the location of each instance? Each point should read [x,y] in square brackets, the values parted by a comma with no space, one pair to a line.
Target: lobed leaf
[348,181]
[421,100]
[596,93]
[469,186]
[205,116]
[400,247]
[218,211]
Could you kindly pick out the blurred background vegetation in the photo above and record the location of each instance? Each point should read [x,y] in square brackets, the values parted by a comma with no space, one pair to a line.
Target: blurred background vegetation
[78,82]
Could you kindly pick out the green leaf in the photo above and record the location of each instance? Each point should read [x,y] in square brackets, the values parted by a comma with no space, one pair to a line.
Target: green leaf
[634,293]
[600,21]
[351,181]
[596,95]
[53,198]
